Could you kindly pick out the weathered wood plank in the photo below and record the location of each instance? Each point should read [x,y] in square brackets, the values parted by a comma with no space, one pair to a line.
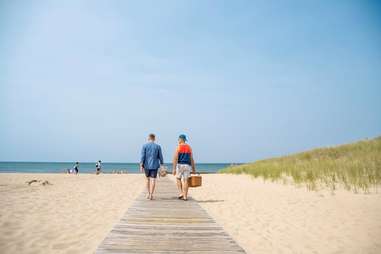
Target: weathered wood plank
[167,225]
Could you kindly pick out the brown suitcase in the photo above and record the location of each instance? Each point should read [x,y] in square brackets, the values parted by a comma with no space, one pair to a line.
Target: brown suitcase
[195,180]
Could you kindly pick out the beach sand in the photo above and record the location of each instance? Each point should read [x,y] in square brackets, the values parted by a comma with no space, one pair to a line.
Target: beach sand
[266,217]
[73,215]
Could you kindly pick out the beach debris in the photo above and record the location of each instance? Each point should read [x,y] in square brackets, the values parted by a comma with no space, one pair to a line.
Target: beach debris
[41,182]
[32,181]
[46,182]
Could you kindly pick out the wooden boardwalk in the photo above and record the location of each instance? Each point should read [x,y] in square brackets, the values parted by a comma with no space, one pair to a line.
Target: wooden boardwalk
[167,225]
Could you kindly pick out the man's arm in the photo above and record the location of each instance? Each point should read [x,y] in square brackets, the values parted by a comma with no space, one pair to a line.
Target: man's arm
[142,158]
[161,156]
[193,164]
[174,162]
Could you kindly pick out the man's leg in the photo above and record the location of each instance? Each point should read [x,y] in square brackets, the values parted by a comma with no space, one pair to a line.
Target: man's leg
[178,181]
[148,187]
[185,188]
[146,173]
[152,175]
[152,186]
[179,187]
[186,175]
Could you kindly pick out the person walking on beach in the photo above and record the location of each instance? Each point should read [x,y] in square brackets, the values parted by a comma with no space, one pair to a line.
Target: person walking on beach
[76,168]
[98,167]
[150,161]
[183,165]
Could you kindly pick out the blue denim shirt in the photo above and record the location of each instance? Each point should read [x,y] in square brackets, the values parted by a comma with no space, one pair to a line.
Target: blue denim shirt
[151,156]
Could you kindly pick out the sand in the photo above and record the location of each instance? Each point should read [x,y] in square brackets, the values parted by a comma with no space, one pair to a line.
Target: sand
[71,216]
[75,214]
[276,218]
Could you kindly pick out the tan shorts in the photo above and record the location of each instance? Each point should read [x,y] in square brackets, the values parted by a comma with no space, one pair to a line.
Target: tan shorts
[183,171]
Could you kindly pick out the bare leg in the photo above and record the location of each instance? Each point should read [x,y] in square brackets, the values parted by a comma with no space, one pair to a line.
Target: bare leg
[185,188]
[152,187]
[179,187]
[148,188]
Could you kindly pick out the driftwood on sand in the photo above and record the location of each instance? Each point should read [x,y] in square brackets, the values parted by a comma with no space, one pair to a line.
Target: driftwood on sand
[41,182]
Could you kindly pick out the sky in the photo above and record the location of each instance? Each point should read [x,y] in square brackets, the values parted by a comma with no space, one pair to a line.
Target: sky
[244,80]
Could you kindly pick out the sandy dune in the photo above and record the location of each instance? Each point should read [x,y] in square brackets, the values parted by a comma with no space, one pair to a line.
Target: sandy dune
[71,216]
[275,218]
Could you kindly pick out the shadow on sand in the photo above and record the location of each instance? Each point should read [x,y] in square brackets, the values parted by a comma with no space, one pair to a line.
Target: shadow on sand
[209,201]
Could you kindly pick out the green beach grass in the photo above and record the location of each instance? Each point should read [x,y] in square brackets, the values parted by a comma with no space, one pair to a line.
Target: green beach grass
[355,166]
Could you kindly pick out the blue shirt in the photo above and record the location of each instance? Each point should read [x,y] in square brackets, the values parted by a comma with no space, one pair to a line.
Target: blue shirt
[151,156]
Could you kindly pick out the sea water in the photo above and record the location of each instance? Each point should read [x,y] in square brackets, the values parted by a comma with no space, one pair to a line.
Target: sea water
[89,167]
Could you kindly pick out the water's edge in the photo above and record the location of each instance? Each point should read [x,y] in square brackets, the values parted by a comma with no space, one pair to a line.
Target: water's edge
[89,167]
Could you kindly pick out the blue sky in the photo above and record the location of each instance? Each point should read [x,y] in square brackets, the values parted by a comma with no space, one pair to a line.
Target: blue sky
[245,80]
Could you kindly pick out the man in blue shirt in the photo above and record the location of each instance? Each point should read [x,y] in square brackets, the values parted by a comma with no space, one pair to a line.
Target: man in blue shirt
[151,159]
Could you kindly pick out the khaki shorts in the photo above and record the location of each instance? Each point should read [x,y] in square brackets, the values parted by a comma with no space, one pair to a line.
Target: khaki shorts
[183,171]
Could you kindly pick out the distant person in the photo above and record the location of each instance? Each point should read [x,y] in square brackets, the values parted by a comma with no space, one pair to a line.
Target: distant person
[98,167]
[151,159]
[183,165]
[76,168]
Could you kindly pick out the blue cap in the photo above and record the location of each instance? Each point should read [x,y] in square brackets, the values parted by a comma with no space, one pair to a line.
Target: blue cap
[183,137]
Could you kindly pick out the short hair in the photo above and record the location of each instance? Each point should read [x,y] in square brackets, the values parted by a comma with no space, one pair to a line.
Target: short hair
[152,136]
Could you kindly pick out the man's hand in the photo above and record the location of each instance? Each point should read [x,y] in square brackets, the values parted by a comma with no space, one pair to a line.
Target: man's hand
[174,172]
[141,168]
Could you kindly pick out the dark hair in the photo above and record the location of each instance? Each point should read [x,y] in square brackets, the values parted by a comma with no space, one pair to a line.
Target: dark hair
[151,136]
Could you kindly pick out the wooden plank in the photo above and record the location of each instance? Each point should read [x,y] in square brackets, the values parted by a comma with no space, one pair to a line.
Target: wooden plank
[167,225]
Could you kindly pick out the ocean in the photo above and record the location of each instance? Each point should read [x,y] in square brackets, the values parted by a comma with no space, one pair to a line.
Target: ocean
[89,167]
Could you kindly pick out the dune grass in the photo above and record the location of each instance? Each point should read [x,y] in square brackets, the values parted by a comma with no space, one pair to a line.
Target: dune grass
[355,166]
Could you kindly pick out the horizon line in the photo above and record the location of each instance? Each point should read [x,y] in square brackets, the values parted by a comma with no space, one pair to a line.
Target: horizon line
[116,162]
